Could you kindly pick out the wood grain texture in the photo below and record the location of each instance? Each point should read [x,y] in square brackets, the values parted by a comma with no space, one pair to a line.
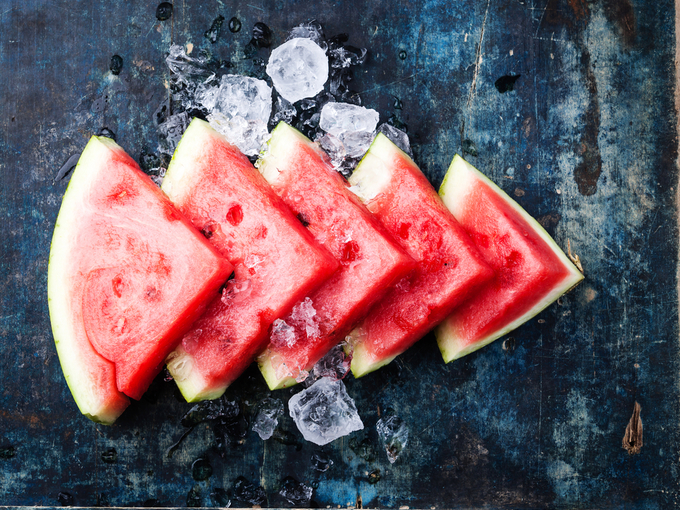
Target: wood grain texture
[586,141]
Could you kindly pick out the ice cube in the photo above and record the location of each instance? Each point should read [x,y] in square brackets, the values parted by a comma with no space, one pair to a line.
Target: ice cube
[335,365]
[305,318]
[297,494]
[393,432]
[171,132]
[350,129]
[239,109]
[283,335]
[298,69]
[324,412]
[397,136]
[186,69]
[310,30]
[267,417]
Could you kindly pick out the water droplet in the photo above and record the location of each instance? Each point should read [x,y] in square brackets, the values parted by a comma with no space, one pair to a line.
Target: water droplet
[234,25]
[110,456]
[116,64]
[403,55]
[107,133]
[469,147]
[374,476]
[201,470]
[509,344]
[262,36]
[397,105]
[7,452]
[164,11]
[65,499]
[213,33]
[194,498]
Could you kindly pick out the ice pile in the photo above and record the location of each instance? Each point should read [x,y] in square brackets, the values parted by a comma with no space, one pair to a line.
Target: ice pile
[394,435]
[324,412]
[239,109]
[267,417]
[350,129]
[298,69]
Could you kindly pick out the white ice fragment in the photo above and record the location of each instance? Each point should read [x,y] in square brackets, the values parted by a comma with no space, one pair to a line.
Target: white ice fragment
[267,417]
[304,317]
[324,412]
[394,434]
[283,335]
[186,69]
[239,108]
[284,111]
[298,69]
[354,126]
[397,136]
[171,132]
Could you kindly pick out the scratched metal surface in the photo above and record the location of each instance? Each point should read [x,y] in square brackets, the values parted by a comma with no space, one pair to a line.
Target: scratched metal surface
[586,142]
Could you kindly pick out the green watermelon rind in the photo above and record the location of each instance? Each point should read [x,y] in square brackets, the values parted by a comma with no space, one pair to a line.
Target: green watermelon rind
[458,178]
[63,329]
[268,371]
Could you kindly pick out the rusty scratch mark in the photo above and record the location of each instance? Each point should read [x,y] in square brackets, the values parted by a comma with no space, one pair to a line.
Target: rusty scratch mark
[632,439]
[478,58]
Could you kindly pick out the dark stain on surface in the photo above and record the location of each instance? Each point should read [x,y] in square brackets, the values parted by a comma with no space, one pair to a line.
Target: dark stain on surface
[632,438]
[587,173]
[621,14]
[506,83]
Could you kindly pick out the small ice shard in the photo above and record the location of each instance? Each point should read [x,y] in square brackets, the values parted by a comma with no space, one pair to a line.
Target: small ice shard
[324,412]
[353,125]
[311,30]
[397,136]
[298,69]
[335,366]
[304,317]
[321,461]
[171,132]
[284,111]
[247,492]
[283,335]
[394,434]
[239,109]
[186,69]
[346,56]
[297,494]
[267,417]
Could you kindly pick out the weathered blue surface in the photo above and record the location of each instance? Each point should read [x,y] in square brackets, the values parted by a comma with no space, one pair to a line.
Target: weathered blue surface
[586,142]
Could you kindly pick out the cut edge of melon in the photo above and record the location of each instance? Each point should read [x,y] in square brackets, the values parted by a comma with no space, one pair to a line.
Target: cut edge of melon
[373,174]
[362,363]
[70,358]
[268,371]
[190,383]
[448,340]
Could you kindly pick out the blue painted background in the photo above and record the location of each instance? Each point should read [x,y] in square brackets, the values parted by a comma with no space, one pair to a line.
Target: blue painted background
[586,142]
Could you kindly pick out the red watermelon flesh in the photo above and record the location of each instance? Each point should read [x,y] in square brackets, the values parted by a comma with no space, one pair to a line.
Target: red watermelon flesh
[371,260]
[450,268]
[276,260]
[128,275]
[531,271]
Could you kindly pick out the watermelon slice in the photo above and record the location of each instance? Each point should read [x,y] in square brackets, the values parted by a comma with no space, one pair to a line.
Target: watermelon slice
[449,266]
[531,271]
[371,260]
[128,274]
[276,260]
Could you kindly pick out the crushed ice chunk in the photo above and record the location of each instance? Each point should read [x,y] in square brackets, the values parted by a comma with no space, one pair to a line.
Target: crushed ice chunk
[298,69]
[284,111]
[397,136]
[335,365]
[239,108]
[304,317]
[393,433]
[310,30]
[171,132]
[283,335]
[324,412]
[321,461]
[297,494]
[186,69]
[346,56]
[350,129]
[267,417]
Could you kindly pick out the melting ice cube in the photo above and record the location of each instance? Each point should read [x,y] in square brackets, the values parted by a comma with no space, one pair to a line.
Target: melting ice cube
[335,365]
[298,69]
[283,335]
[267,417]
[239,108]
[394,434]
[324,412]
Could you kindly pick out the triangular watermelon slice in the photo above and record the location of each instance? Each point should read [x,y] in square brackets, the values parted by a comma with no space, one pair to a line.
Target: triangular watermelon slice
[128,274]
[276,260]
[449,266]
[371,260]
[531,271]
